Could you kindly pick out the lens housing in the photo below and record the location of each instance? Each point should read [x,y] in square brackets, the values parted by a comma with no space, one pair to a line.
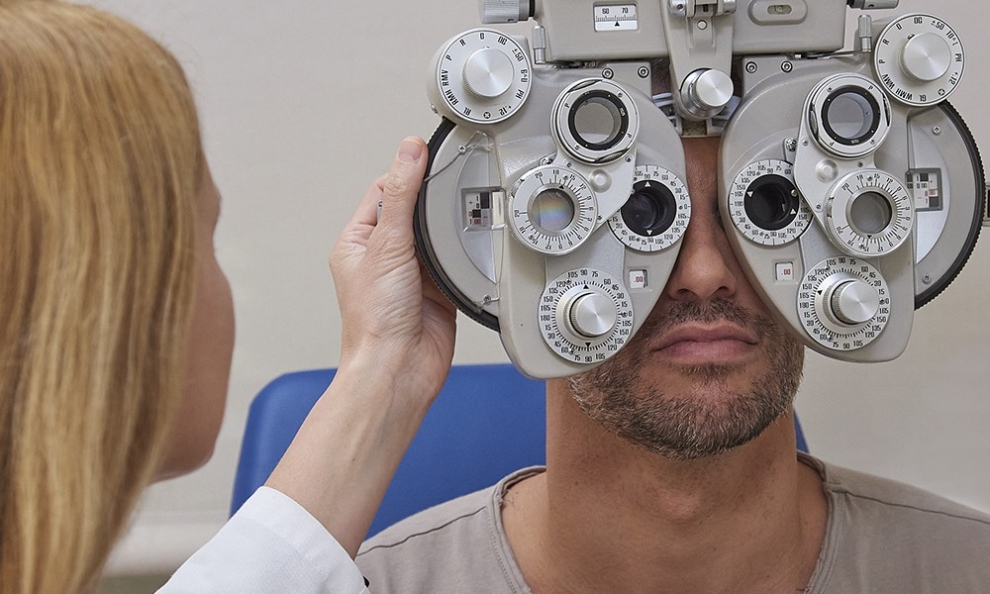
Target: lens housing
[650,210]
[772,202]
[657,213]
[868,213]
[595,120]
[765,205]
[553,210]
[849,115]
[598,120]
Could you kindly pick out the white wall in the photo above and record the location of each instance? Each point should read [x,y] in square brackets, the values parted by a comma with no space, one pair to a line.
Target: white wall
[303,103]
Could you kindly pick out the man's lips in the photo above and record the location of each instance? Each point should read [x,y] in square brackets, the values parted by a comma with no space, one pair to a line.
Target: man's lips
[706,343]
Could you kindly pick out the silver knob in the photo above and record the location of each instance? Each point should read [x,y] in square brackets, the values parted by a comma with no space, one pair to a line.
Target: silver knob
[488,73]
[504,11]
[926,57]
[854,302]
[712,89]
[705,92]
[592,314]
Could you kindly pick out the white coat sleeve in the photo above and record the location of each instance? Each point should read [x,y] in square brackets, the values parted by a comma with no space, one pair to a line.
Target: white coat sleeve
[271,545]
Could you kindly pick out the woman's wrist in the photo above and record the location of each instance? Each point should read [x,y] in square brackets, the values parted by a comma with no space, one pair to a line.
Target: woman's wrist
[408,380]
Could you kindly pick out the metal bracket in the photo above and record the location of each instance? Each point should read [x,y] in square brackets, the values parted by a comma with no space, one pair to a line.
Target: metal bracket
[709,8]
[699,40]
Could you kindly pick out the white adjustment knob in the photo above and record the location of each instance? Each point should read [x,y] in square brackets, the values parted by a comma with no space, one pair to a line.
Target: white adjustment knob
[926,57]
[919,59]
[479,77]
[488,73]
[592,314]
[854,302]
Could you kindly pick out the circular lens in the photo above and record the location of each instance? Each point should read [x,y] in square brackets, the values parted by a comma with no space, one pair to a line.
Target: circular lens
[870,213]
[850,115]
[650,209]
[772,202]
[598,120]
[552,210]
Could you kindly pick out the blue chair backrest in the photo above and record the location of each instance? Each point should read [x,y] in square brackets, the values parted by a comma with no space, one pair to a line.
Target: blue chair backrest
[488,421]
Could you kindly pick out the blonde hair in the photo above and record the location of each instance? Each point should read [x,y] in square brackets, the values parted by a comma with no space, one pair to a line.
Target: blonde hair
[100,166]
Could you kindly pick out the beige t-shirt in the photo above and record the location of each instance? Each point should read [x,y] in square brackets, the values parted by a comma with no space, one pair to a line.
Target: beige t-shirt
[882,537]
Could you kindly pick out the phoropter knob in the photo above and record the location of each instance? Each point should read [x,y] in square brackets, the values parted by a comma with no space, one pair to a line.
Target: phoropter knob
[586,316]
[505,11]
[926,57]
[705,92]
[844,303]
[854,302]
[919,58]
[481,76]
[488,73]
[592,314]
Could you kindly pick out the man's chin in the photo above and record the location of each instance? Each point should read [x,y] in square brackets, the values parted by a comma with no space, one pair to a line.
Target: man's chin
[716,429]
[689,414]
[705,381]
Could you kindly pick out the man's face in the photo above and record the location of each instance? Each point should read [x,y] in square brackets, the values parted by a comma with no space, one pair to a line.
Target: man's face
[709,370]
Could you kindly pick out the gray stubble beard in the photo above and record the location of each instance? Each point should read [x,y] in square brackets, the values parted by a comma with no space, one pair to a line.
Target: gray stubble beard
[690,426]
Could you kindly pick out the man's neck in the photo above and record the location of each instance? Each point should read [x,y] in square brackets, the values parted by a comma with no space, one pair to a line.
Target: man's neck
[611,516]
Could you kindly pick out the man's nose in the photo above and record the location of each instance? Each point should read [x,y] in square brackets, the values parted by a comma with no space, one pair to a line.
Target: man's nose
[704,268]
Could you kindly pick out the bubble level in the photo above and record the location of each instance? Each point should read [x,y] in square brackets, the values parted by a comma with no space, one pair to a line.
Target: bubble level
[615,17]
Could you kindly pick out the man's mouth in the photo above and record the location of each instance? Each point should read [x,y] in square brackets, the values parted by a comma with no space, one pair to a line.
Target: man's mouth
[704,343]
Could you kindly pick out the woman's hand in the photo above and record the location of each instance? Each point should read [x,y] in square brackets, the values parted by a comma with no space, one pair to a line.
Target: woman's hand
[395,320]
[397,344]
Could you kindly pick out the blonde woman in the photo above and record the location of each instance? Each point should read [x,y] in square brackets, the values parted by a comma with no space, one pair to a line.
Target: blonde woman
[116,324]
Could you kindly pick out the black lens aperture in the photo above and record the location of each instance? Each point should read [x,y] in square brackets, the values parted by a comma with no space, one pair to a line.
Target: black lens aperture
[850,115]
[650,210]
[598,120]
[772,202]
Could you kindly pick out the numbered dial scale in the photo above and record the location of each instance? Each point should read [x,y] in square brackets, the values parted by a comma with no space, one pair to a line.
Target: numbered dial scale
[765,205]
[844,303]
[919,59]
[554,210]
[585,315]
[616,17]
[657,212]
[869,213]
[483,76]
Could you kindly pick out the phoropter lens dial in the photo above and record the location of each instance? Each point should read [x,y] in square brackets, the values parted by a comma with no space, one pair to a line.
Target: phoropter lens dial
[657,212]
[554,210]
[765,205]
[849,115]
[482,76]
[868,213]
[595,120]
[919,59]
[585,316]
[844,303]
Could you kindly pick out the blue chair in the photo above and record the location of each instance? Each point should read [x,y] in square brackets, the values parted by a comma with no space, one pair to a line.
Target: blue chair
[488,421]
